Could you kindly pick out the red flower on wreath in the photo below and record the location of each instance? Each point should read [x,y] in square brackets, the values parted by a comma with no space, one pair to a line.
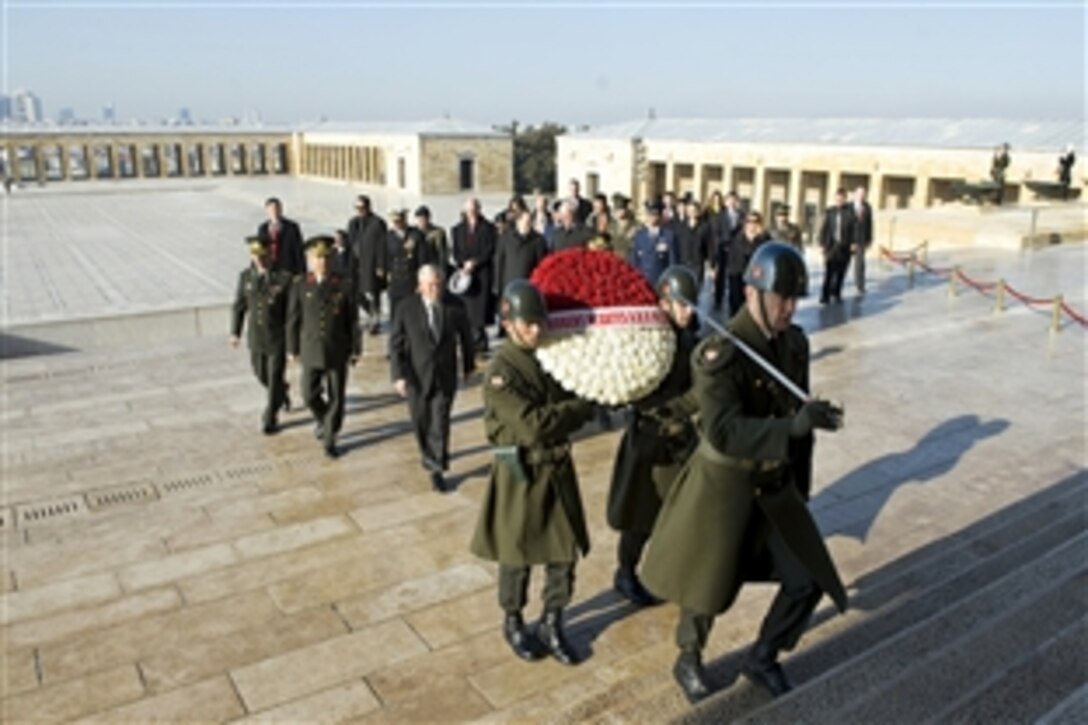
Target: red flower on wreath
[581,278]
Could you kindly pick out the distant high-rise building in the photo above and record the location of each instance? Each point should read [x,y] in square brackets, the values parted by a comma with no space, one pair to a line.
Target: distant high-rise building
[5,108]
[184,117]
[108,114]
[66,116]
[26,107]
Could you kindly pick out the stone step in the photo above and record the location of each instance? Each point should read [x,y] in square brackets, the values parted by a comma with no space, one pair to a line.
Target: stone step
[1028,528]
[1069,711]
[966,662]
[840,679]
[1044,681]
[988,534]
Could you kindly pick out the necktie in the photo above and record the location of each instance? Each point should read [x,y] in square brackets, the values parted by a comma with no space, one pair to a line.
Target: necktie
[431,321]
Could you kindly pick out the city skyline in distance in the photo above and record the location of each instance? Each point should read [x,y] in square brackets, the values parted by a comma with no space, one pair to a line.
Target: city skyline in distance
[574,66]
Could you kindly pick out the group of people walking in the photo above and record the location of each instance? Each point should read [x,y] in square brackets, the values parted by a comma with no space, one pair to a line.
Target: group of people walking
[713,470]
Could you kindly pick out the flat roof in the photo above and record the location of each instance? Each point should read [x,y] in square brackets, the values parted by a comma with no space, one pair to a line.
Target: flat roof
[439,127]
[922,132]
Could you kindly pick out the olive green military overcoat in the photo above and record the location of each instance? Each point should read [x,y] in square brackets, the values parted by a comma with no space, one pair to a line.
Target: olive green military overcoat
[538,518]
[657,442]
[263,297]
[323,322]
[711,534]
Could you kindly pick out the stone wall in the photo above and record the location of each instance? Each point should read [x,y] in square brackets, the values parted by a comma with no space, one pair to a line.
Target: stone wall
[440,160]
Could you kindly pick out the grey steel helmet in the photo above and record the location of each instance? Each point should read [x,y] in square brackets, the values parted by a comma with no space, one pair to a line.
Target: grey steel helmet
[523,301]
[678,283]
[779,268]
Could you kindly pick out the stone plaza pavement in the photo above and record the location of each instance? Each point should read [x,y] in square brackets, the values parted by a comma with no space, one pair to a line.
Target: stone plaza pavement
[165,561]
[71,251]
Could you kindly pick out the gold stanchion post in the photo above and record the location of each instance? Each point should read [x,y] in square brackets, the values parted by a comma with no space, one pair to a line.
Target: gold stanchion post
[910,271]
[952,281]
[999,302]
[1056,314]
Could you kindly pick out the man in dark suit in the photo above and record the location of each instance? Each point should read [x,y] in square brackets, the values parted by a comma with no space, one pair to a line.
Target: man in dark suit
[727,225]
[862,215]
[427,329]
[367,238]
[521,249]
[836,240]
[474,242]
[580,206]
[323,331]
[744,244]
[342,262]
[284,239]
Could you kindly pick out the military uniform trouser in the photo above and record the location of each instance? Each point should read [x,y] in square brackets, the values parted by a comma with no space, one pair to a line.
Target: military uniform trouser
[721,259]
[629,551]
[328,413]
[514,586]
[784,622]
[431,421]
[270,369]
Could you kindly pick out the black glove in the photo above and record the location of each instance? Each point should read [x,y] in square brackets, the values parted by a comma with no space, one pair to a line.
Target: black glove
[815,414]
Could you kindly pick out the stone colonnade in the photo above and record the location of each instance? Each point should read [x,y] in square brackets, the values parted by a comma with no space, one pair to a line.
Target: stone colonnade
[70,157]
[365,164]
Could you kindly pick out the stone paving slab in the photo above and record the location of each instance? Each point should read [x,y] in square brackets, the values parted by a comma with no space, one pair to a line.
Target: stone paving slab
[264,581]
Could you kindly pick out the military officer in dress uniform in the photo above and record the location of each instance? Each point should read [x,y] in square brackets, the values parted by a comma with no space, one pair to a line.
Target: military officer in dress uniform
[262,294]
[532,512]
[657,442]
[784,230]
[323,331]
[738,511]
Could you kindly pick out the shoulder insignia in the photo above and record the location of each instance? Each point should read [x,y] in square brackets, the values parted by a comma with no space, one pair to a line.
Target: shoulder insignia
[497,381]
[713,352]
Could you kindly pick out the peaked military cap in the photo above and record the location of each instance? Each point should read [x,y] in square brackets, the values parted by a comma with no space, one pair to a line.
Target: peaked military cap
[320,245]
[257,244]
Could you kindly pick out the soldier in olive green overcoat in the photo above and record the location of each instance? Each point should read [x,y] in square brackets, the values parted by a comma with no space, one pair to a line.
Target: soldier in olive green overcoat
[323,331]
[738,510]
[262,294]
[532,512]
[657,442]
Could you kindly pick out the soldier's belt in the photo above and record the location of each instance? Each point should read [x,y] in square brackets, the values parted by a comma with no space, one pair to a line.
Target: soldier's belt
[744,464]
[549,454]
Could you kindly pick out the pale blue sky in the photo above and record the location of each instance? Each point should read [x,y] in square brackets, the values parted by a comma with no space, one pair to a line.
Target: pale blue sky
[574,64]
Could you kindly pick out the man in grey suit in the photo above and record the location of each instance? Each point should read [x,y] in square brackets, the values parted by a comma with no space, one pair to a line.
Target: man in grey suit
[427,329]
[863,235]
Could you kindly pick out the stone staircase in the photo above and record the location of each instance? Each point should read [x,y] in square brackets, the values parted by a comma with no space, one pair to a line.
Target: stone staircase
[985,626]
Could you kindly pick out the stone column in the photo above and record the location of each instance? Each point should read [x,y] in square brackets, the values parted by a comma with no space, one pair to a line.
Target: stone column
[111,154]
[183,160]
[11,162]
[697,181]
[876,190]
[39,163]
[920,200]
[834,181]
[91,162]
[793,194]
[759,189]
[670,177]
[63,153]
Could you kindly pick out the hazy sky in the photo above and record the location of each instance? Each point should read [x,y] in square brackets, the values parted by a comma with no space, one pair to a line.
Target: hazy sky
[572,62]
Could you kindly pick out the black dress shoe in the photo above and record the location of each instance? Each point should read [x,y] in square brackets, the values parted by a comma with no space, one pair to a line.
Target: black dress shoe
[823,300]
[521,640]
[550,633]
[331,451]
[689,674]
[438,483]
[767,674]
[630,588]
[270,428]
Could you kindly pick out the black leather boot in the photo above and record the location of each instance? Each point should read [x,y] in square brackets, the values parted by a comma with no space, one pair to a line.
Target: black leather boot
[627,583]
[550,633]
[761,666]
[520,639]
[691,676]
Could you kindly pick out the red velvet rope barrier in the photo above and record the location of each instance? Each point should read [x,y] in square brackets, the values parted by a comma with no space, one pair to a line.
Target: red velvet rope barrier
[982,287]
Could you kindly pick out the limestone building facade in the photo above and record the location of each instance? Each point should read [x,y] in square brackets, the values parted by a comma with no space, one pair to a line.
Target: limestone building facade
[904,164]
